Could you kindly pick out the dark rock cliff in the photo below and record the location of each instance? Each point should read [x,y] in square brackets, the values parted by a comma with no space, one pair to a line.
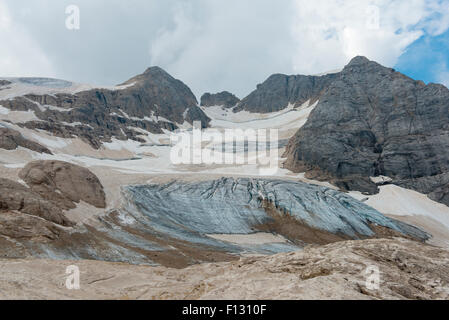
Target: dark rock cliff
[375,121]
[280,90]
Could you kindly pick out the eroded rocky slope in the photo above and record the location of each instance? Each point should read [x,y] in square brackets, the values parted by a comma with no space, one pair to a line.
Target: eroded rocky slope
[11,139]
[408,270]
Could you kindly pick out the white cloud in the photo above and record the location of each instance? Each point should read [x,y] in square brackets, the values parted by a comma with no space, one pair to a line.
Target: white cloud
[329,33]
[211,45]
[171,43]
[225,45]
[20,55]
[217,45]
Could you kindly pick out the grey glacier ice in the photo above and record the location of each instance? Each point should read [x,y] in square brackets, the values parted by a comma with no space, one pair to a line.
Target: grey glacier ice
[189,210]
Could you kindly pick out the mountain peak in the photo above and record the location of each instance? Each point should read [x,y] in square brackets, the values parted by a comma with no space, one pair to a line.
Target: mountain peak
[153,73]
[359,60]
[155,70]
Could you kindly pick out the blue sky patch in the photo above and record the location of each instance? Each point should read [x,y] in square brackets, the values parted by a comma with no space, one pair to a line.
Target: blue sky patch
[427,59]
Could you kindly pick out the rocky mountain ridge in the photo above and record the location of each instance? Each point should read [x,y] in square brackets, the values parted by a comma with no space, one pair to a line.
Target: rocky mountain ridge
[151,101]
[280,90]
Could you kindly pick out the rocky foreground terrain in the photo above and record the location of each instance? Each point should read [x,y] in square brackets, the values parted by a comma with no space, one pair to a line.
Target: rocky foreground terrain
[408,270]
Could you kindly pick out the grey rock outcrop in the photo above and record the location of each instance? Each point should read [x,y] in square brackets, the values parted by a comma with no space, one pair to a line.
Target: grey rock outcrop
[64,183]
[224,99]
[372,121]
[280,90]
[151,101]
[12,139]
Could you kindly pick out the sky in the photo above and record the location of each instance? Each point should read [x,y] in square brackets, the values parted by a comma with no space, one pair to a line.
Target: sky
[216,45]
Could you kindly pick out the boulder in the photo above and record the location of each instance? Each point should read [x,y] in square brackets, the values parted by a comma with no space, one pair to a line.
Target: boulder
[64,183]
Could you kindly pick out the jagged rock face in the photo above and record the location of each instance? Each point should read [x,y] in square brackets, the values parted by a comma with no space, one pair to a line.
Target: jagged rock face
[64,183]
[223,99]
[279,90]
[17,197]
[151,101]
[11,140]
[374,121]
